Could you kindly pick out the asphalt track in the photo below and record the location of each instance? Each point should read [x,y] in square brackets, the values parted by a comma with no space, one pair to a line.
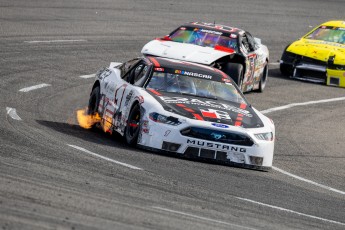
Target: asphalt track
[51,177]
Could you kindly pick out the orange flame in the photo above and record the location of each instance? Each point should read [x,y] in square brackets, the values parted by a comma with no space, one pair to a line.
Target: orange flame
[85,120]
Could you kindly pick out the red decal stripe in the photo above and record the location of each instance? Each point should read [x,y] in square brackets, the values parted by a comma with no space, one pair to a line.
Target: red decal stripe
[208,114]
[189,110]
[155,92]
[243,106]
[155,62]
[238,123]
[197,116]
[181,105]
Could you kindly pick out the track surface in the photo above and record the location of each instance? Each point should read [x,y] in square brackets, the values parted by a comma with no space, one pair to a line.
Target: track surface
[45,183]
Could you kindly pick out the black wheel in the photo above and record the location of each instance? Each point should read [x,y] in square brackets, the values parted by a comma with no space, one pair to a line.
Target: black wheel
[93,103]
[286,70]
[235,71]
[286,66]
[263,79]
[133,125]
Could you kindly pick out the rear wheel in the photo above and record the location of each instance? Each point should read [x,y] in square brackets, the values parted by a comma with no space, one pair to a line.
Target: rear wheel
[235,71]
[263,79]
[92,108]
[133,125]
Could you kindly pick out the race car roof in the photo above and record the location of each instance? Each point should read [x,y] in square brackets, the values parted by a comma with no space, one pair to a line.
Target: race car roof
[216,27]
[188,66]
[334,23]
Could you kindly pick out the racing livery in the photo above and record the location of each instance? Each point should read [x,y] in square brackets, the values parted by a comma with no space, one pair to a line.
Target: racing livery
[184,108]
[319,56]
[234,51]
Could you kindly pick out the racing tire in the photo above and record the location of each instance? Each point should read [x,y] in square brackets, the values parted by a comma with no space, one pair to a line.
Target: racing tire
[263,79]
[94,100]
[235,71]
[133,126]
[286,70]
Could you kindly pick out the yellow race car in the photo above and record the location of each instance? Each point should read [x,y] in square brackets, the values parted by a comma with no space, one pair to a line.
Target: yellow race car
[319,56]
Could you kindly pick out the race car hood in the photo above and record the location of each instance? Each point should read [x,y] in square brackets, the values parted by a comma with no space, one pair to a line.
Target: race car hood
[183,51]
[217,111]
[319,50]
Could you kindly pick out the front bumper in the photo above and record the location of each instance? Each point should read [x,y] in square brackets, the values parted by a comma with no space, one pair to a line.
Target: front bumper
[168,139]
[304,68]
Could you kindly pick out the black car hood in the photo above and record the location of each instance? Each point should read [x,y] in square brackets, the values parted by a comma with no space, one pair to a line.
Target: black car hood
[213,110]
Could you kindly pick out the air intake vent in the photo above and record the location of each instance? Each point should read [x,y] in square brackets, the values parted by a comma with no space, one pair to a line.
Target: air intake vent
[217,136]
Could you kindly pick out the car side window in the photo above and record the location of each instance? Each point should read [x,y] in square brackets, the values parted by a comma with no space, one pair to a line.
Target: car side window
[248,43]
[251,41]
[136,74]
[140,74]
[126,67]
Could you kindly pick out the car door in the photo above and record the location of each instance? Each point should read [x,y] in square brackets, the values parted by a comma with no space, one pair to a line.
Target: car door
[115,86]
[124,94]
[248,49]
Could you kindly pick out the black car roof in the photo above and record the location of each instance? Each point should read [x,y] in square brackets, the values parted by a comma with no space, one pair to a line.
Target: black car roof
[216,27]
[187,66]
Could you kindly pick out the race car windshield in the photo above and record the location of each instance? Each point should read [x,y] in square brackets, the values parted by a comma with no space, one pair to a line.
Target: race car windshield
[329,34]
[204,37]
[198,87]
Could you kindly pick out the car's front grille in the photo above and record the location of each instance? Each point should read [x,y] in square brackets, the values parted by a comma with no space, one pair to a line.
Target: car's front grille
[312,61]
[206,153]
[217,136]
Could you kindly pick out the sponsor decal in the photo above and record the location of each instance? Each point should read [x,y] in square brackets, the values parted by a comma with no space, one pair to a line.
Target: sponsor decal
[211,31]
[128,97]
[193,74]
[159,69]
[220,125]
[183,28]
[217,146]
[104,74]
[212,104]
[233,36]
[167,133]
[213,113]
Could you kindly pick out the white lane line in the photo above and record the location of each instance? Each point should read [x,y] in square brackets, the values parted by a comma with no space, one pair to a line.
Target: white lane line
[291,211]
[56,41]
[301,104]
[274,63]
[13,113]
[202,218]
[104,158]
[27,89]
[308,181]
[88,76]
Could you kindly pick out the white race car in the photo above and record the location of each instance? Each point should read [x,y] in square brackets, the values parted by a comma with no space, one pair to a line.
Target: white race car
[234,51]
[184,108]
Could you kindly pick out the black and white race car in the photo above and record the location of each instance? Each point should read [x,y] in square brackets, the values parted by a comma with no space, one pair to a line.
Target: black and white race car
[234,51]
[190,109]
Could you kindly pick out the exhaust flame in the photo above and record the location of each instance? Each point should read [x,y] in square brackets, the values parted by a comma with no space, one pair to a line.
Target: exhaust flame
[85,120]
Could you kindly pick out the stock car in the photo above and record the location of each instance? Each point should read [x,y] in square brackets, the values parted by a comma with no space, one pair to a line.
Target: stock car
[319,56]
[234,51]
[183,108]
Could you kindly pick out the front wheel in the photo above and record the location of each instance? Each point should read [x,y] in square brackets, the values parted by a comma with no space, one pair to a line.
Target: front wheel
[133,125]
[235,71]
